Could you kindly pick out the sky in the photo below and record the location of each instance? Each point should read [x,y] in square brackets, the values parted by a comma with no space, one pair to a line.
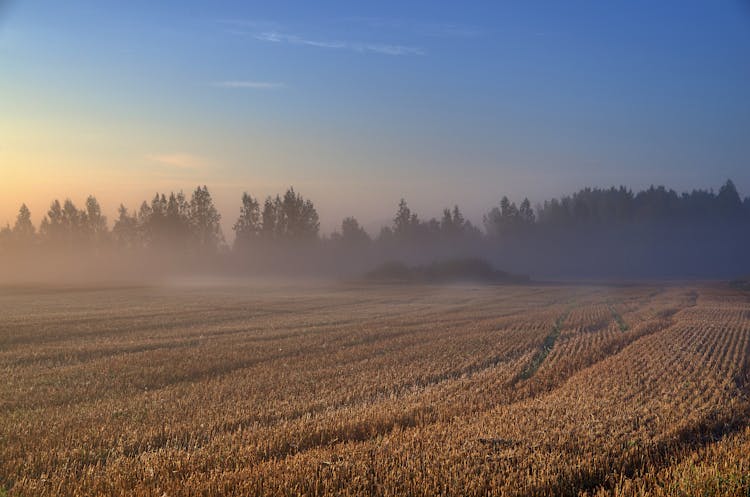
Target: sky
[358,104]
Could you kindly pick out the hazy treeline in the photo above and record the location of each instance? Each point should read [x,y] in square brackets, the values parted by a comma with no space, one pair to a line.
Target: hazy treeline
[166,222]
[594,233]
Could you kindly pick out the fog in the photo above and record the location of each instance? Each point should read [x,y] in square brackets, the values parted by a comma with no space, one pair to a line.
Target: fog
[593,235]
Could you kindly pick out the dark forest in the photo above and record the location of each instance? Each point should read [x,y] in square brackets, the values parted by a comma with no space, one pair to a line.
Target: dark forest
[594,233]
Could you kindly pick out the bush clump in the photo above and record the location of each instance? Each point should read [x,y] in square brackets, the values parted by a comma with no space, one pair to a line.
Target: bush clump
[450,271]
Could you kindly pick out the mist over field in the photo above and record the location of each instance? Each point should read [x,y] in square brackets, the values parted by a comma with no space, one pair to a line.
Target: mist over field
[613,234]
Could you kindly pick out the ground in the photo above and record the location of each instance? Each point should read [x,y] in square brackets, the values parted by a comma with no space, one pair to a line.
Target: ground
[322,389]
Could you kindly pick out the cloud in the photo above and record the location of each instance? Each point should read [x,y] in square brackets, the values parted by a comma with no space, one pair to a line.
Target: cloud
[178,160]
[253,85]
[434,29]
[380,48]
[273,32]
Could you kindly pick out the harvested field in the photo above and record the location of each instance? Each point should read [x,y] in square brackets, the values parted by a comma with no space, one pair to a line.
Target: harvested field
[375,390]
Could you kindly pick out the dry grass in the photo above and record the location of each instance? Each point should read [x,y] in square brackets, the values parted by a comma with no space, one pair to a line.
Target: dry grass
[208,391]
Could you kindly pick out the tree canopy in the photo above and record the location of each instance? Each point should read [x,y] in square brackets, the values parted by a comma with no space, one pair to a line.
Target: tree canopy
[173,223]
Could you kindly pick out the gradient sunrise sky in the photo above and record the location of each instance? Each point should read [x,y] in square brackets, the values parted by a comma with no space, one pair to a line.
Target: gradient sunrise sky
[359,104]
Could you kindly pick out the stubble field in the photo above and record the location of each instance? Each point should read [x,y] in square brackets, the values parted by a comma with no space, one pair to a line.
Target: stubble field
[376,390]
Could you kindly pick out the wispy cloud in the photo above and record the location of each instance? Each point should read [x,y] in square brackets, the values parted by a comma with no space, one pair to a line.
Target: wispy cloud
[381,48]
[435,29]
[178,160]
[251,85]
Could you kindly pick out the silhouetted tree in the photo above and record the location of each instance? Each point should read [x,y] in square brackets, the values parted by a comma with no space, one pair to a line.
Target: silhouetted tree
[72,219]
[249,224]
[270,226]
[146,229]
[454,226]
[656,203]
[204,221]
[405,223]
[125,229]
[526,213]
[177,220]
[23,229]
[452,222]
[93,223]
[729,200]
[62,226]
[352,233]
[291,218]
[300,219]
[503,221]
[152,221]
[165,223]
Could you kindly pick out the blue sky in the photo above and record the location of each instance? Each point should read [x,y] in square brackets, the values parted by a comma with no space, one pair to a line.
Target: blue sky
[360,104]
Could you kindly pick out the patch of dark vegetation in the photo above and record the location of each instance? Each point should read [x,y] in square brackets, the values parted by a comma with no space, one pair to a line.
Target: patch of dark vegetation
[450,271]
[742,379]
[741,284]
[544,351]
[618,319]
[667,313]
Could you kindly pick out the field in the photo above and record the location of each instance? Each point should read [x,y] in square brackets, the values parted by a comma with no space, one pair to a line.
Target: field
[378,390]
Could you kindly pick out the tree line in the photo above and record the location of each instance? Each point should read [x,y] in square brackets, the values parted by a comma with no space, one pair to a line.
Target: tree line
[174,222]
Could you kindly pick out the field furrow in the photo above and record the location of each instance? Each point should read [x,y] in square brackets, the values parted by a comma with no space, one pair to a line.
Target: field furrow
[379,390]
